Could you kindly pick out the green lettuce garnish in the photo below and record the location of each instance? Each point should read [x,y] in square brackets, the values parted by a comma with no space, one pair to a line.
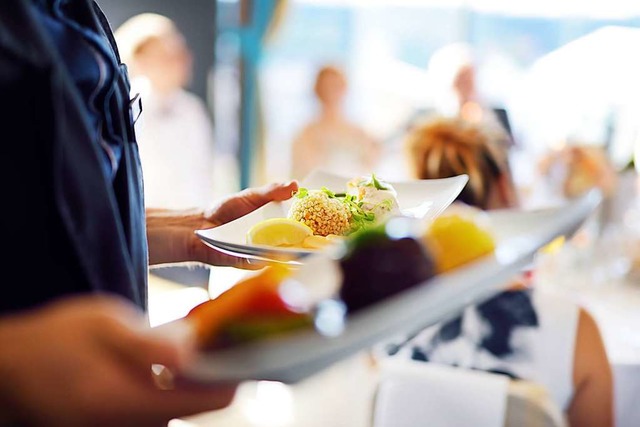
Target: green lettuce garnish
[359,217]
[328,192]
[377,184]
[301,193]
[374,182]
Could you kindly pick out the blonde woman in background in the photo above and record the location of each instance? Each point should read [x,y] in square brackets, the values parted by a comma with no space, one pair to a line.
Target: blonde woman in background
[442,147]
[331,141]
[522,332]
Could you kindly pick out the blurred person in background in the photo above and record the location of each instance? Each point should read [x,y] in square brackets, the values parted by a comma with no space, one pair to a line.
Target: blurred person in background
[575,168]
[453,69]
[578,168]
[613,230]
[175,132]
[522,332]
[332,142]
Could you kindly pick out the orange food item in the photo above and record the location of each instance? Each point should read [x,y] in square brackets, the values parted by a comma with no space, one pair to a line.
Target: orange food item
[456,240]
[256,295]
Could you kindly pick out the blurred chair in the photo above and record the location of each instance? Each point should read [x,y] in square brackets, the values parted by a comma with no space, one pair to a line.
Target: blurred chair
[529,405]
[412,394]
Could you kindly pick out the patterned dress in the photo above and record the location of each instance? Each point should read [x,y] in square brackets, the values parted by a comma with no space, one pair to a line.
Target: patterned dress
[524,334]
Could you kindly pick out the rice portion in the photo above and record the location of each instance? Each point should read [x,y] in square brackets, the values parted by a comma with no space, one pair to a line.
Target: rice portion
[323,214]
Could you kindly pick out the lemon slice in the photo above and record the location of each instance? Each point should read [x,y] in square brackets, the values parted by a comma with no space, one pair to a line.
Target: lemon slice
[279,232]
[319,242]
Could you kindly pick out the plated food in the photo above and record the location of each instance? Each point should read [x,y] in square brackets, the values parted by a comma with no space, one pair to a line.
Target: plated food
[381,262]
[419,199]
[254,308]
[459,237]
[318,217]
[381,253]
[377,262]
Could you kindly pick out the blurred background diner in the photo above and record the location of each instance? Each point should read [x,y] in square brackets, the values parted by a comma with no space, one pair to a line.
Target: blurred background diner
[331,141]
[175,133]
[270,90]
[523,333]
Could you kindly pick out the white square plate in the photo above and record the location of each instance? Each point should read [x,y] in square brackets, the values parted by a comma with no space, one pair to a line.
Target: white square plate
[423,199]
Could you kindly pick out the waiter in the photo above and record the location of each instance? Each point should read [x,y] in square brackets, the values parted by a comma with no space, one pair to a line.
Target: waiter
[76,237]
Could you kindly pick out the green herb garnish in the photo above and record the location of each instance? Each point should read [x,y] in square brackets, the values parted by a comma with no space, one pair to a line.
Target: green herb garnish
[377,184]
[328,192]
[359,218]
[301,193]
[374,182]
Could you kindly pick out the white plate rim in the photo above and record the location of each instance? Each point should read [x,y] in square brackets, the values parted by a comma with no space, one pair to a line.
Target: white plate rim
[266,253]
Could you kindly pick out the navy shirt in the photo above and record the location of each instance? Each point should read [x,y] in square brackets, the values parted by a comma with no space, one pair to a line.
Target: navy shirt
[92,65]
[70,136]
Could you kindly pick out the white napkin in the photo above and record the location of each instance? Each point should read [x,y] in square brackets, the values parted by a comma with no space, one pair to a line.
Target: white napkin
[413,394]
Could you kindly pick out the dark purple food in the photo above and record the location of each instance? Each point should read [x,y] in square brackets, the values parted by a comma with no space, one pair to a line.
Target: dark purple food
[376,266]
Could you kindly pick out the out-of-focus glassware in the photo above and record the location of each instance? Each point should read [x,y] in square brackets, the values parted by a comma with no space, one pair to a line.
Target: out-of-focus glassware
[594,257]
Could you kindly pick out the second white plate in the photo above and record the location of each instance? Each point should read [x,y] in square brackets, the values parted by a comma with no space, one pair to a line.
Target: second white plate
[520,234]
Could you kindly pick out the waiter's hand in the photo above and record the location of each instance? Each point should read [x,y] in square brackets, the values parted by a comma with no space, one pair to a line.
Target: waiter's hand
[86,361]
[171,233]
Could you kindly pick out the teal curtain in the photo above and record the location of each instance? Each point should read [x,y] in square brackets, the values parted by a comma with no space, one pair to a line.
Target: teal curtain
[261,18]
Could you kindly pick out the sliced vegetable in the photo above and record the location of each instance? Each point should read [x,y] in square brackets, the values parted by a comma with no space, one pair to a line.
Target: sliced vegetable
[258,327]
[258,294]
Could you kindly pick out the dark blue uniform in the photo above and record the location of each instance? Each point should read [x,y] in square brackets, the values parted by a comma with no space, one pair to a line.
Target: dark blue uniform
[72,211]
